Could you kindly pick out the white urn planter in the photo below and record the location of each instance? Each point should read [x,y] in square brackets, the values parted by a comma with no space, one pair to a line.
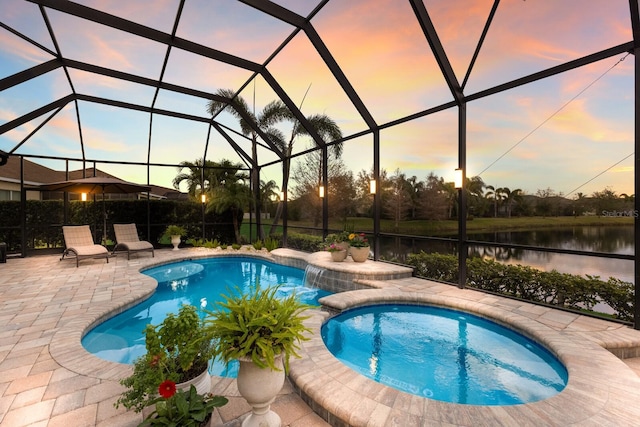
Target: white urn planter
[202,383]
[259,387]
[175,241]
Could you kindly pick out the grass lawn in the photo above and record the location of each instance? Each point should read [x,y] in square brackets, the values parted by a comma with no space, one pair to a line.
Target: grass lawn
[423,227]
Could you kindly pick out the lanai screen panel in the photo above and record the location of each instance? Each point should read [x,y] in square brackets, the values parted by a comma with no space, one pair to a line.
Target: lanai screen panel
[378,61]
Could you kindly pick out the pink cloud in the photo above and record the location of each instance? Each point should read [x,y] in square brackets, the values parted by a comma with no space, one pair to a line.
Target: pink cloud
[30,54]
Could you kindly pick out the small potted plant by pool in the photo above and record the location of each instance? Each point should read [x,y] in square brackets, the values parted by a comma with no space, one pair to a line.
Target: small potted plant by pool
[359,247]
[174,232]
[261,331]
[178,351]
[338,253]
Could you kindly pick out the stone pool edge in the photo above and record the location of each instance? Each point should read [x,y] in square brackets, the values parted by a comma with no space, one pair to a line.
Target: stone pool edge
[344,398]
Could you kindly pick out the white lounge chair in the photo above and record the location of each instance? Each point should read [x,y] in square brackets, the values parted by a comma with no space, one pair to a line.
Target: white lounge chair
[127,240]
[79,244]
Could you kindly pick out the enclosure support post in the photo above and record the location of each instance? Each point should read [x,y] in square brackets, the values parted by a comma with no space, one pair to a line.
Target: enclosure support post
[325,199]
[23,210]
[635,24]
[636,173]
[376,197]
[462,196]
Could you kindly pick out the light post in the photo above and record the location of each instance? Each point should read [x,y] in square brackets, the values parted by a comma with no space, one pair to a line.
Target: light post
[458,183]
[373,189]
[203,198]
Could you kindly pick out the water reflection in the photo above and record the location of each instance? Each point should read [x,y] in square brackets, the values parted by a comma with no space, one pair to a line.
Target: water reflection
[607,239]
[612,239]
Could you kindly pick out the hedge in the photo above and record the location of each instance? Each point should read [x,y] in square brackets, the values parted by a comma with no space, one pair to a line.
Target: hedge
[44,220]
[550,287]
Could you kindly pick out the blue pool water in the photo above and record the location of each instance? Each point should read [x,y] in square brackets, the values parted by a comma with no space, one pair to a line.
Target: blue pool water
[200,283]
[444,354]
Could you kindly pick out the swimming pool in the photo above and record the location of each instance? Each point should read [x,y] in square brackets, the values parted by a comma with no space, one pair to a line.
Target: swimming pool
[444,354]
[201,283]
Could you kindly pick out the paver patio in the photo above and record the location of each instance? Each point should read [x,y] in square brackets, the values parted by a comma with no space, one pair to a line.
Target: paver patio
[48,379]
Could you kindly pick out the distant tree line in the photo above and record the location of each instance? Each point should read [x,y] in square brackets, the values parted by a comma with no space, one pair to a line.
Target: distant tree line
[409,198]
[403,198]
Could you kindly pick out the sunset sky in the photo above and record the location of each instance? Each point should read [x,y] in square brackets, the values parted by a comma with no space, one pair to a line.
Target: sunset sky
[571,133]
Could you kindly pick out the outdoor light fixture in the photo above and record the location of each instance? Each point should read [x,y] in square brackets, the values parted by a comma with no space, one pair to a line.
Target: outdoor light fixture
[282,195]
[203,198]
[372,186]
[321,191]
[83,196]
[457,179]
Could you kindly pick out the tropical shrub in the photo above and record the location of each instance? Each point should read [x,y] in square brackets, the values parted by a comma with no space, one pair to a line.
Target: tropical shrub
[518,281]
[258,325]
[305,242]
[271,243]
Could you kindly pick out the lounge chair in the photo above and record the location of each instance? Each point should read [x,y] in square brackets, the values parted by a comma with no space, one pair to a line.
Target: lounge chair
[127,240]
[79,244]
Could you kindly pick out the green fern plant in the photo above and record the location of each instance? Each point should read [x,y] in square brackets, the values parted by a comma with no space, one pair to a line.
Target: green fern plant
[258,325]
[270,243]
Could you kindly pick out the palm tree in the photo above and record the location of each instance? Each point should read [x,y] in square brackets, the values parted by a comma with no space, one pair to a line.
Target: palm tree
[273,113]
[451,195]
[491,195]
[497,194]
[230,194]
[268,192]
[628,198]
[194,176]
[327,129]
[474,188]
[511,196]
[415,188]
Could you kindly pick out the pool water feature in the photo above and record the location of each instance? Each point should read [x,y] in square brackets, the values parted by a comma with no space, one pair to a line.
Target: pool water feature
[313,276]
[444,354]
[201,283]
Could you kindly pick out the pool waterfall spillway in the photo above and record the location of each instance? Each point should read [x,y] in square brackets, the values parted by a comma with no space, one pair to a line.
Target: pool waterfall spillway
[313,276]
[340,276]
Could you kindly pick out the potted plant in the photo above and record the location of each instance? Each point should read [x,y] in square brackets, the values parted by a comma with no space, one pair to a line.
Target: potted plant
[174,232]
[262,332]
[338,253]
[359,247]
[178,350]
[341,240]
[176,407]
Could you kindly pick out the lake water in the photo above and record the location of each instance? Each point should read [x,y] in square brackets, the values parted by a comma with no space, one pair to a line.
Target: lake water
[607,239]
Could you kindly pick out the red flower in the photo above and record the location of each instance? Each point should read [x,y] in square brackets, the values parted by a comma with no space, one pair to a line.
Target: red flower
[167,389]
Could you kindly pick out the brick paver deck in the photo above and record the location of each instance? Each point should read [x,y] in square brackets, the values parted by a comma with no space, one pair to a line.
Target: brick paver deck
[48,379]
